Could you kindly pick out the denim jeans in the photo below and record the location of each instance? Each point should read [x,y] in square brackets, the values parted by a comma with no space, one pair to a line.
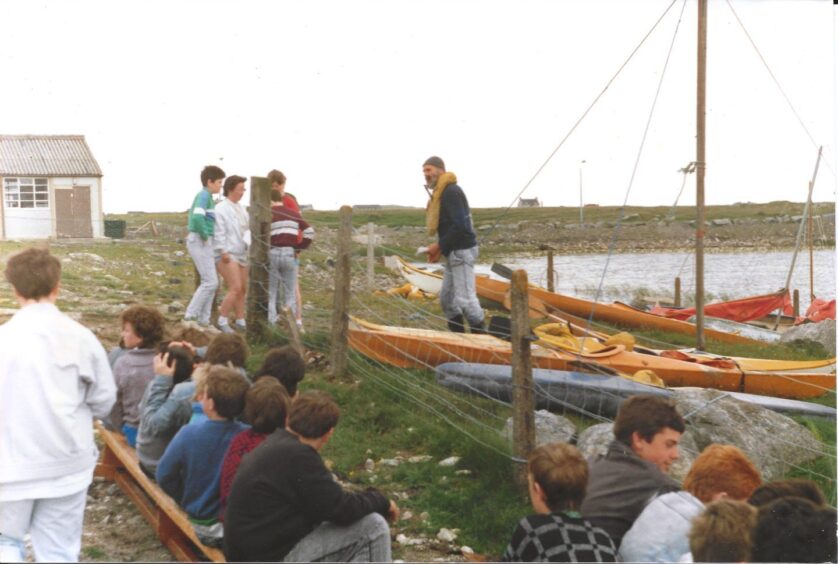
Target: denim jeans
[458,295]
[283,268]
[54,524]
[365,540]
[202,255]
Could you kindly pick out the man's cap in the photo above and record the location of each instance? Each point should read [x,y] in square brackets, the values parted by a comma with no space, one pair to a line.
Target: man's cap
[435,161]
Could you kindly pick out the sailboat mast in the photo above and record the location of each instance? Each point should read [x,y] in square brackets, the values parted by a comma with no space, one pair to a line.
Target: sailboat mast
[700,165]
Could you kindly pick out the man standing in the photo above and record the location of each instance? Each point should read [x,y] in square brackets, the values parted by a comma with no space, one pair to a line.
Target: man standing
[449,217]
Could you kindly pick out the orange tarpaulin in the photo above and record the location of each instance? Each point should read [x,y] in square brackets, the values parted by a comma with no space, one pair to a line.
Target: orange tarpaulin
[818,311]
[746,309]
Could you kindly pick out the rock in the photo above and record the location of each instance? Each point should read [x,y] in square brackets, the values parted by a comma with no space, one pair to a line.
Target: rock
[450,461]
[87,256]
[797,218]
[389,462]
[406,516]
[823,333]
[179,253]
[774,442]
[466,550]
[158,273]
[463,472]
[175,307]
[175,281]
[424,516]
[420,458]
[549,428]
[723,221]
[446,535]
[594,441]
[369,465]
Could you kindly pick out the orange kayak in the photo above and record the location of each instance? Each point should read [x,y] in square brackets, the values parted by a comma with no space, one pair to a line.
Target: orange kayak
[422,348]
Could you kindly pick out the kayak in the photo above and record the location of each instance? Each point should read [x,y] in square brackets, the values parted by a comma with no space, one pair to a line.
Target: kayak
[587,394]
[422,348]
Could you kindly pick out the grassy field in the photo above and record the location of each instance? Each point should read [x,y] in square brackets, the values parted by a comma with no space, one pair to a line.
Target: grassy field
[387,414]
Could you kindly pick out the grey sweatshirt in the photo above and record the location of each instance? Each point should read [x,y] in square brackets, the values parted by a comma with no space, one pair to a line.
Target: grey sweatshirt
[132,372]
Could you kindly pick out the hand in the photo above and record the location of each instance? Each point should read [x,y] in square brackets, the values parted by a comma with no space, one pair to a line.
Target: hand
[393,512]
[434,252]
[225,258]
[186,345]
[162,365]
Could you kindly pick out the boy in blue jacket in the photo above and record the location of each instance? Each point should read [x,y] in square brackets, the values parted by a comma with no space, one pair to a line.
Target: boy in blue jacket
[190,470]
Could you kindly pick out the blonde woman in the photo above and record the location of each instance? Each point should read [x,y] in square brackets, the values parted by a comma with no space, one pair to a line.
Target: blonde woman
[230,245]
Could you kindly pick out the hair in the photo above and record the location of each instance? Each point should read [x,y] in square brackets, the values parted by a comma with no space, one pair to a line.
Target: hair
[183,361]
[147,322]
[562,473]
[793,529]
[286,365]
[722,468]
[231,182]
[227,347]
[226,387]
[266,406]
[795,487]
[34,273]
[722,532]
[277,177]
[313,414]
[192,335]
[199,378]
[211,173]
[648,416]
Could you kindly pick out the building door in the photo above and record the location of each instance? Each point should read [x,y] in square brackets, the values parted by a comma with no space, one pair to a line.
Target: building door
[72,212]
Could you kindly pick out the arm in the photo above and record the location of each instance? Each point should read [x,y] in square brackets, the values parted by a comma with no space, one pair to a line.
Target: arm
[326,500]
[219,241]
[163,414]
[454,207]
[307,234]
[101,389]
[199,214]
[169,475]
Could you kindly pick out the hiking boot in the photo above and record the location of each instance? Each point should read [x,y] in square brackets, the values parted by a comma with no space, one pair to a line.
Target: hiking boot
[478,328]
[457,324]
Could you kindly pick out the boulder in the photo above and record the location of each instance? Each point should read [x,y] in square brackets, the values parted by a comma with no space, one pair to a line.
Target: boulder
[594,441]
[549,428]
[823,333]
[774,442]
[723,221]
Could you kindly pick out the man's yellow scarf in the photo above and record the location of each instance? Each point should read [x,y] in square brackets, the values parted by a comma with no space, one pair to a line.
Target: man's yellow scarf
[432,211]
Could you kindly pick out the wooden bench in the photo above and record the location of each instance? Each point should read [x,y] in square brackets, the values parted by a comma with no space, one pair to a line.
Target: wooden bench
[119,463]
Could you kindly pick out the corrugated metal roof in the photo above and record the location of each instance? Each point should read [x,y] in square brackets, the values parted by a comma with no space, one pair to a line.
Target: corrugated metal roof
[46,155]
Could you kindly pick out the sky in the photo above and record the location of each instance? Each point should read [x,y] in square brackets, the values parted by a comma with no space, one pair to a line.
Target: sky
[348,98]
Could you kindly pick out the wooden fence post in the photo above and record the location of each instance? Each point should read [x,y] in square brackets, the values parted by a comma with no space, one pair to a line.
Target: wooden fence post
[551,287]
[795,300]
[523,395]
[340,311]
[370,255]
[677,301]
[260,243]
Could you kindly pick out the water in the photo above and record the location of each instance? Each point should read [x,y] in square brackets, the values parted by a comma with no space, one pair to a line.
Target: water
[726,275]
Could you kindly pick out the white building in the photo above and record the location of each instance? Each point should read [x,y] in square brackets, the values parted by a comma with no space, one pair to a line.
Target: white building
[50,187]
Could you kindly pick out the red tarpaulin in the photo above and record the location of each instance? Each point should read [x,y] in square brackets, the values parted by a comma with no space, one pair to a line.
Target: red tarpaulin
[818,311]
[746,309]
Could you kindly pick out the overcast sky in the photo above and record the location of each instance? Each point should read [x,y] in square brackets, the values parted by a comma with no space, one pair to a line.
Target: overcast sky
[348,98]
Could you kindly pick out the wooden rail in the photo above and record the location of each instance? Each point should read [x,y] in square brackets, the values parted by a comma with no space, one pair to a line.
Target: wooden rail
[119,463]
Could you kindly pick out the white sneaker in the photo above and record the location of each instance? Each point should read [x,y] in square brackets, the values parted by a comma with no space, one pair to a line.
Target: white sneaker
[225,328]
[300,327]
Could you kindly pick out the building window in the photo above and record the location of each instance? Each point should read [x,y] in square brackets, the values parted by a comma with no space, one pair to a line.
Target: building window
[26,192]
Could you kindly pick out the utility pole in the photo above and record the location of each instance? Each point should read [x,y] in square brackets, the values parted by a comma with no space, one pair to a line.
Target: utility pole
[699,167]
[581,205]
